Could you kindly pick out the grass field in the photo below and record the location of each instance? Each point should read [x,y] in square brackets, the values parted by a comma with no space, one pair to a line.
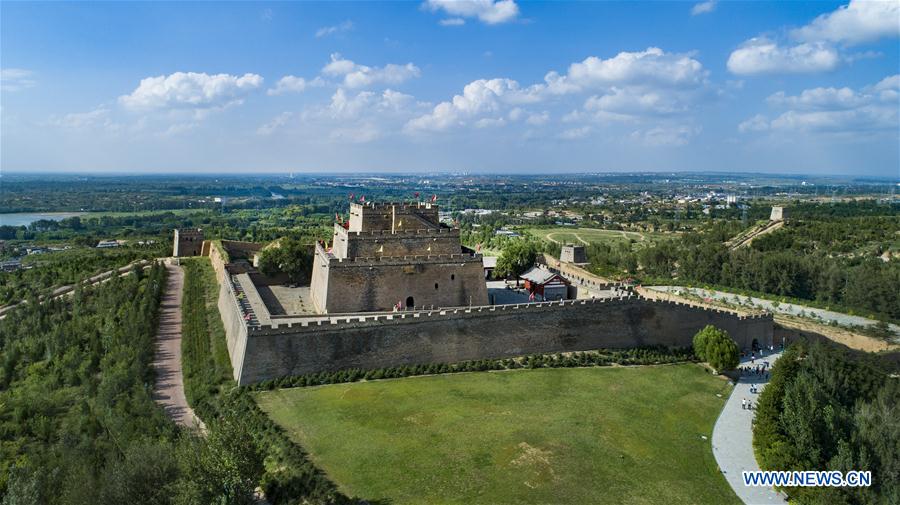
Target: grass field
[569,435]
[572,235]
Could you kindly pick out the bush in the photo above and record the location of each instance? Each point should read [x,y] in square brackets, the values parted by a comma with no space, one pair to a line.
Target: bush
[717,348]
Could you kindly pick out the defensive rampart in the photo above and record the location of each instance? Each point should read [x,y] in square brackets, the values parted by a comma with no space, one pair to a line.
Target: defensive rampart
[260,352]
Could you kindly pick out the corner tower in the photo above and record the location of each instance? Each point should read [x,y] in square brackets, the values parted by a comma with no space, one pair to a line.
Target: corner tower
[395,256]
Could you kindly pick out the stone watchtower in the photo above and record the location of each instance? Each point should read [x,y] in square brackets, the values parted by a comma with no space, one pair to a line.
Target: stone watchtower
[573,254]
[188,242]
[395,256]
[778,214]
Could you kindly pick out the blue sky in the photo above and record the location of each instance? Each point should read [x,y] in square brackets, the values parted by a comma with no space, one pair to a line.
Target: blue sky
[481,86]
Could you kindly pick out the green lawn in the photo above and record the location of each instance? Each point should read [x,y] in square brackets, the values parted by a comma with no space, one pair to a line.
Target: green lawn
[572,235]
[566,435]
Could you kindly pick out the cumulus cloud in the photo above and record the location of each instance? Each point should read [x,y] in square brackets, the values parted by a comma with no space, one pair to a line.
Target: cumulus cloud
[358,76]
[652,66]
[288,84]
[820,46]
[834,110]
[16,79]
[761,56]
[190,90]
[490,12]
[860,21]
[325,31]
[575,133]
[703,7]
[632,84]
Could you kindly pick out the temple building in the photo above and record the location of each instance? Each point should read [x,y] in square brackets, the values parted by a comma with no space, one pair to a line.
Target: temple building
[395,256]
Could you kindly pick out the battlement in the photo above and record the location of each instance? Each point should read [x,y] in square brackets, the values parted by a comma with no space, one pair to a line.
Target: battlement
[350,321]
[362,235]
[389,205]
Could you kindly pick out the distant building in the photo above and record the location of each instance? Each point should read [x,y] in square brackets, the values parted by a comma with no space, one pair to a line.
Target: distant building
[573,254]
[188,242]
[36,250]
[11,265]
[106,244]
[503,232]
[778,214]
[545,284]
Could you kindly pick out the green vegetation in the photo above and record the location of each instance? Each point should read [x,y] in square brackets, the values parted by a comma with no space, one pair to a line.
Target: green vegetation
[517,257]
[78,421]
[61,268]
[283,470]
[827,410]
[287,256]
[587,236]
[717,348]
[586,435]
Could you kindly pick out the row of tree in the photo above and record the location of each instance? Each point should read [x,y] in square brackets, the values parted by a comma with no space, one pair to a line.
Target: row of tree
[825,409]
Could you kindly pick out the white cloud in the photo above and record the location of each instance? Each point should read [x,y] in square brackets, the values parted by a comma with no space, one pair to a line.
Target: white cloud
[99,117]
[762,56]
[754,124]
[487,11]
[665,136]
[703,7]
[452,22]
[358,76]
[480,96]
[490,122]
[190,90]
[288,84]
[16,79]
[575,133]
[633,85]
[635,101]
[860,21]
[835,110]
[650,67]
[325,31]
[820,46]
[538,119]
[275,124]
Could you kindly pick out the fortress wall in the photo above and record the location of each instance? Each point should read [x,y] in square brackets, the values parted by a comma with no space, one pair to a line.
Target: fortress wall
[361,287]
[235,329]
[485,332]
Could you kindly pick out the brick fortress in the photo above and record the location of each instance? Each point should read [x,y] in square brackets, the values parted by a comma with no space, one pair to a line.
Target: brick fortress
[395,256]
[395,287]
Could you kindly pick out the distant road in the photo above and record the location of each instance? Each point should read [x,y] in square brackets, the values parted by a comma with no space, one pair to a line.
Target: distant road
[790,309]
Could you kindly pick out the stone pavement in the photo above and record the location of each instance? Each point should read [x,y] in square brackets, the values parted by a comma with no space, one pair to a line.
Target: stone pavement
[732,439]
[168,390]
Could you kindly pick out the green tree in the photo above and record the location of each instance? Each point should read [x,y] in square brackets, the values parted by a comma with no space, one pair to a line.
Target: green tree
[288,256]
[517,257]
[716,347]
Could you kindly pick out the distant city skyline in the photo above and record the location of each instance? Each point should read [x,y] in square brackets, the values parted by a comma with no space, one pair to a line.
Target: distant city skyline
[451,86]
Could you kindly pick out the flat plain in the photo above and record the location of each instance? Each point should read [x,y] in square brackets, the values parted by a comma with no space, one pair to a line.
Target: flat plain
[568,435]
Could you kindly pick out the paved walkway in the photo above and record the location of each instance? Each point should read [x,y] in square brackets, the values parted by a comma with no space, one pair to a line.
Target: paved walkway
[168,390]
[732,439]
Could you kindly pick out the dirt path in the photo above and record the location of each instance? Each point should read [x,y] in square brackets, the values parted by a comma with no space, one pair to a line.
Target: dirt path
[168,390]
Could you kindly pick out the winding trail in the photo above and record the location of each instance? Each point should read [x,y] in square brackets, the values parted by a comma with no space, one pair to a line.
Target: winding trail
[168,390]
[732,439]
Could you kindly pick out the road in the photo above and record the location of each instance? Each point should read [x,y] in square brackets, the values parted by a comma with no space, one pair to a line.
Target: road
[732,440]
[168,390]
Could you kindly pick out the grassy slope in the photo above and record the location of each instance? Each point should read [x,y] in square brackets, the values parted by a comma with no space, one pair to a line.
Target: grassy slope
[584,435]
[567,234]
